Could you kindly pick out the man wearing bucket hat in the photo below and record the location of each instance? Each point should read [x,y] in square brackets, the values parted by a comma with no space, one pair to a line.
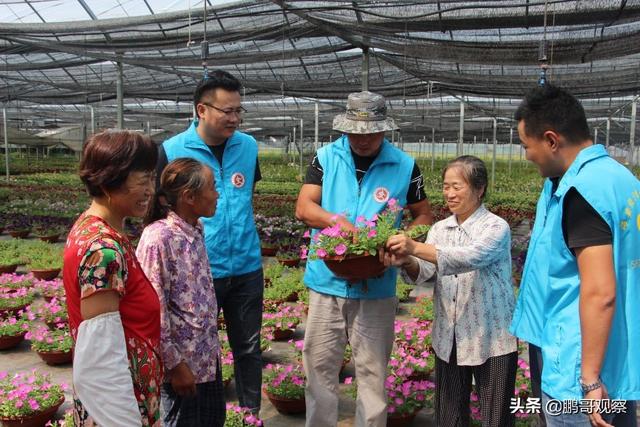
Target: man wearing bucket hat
[355,176]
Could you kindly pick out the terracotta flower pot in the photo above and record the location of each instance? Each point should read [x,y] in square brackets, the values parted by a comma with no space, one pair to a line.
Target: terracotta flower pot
[39,419]
[7,342]
[420,376]
[287,406]
[282,334]
[400,420]
[355,268]
[46,274]
[268,250]
[55,357]
[49,238]
[9,268]
[292,297]
[19,234]
[291,262]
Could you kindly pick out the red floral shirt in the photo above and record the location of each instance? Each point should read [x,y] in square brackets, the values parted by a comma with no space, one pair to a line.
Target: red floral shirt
[98,258]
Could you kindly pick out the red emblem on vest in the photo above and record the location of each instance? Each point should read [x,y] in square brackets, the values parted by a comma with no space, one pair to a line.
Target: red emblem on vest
[237,179]
[381,194]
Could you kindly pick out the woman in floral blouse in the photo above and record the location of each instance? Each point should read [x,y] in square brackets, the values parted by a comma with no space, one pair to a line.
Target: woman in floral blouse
[470,254]
[173,255]
[114,312]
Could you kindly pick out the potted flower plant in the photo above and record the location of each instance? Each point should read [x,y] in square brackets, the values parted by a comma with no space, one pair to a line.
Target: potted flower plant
[11,256]
[48,232]
[13,282]
[285,287]
[423,310]
[14,302]
[354,255]
[45,261]
[281,325]
[240,417]
[19,228]
[405,398]
[284,386]
[289,256]
[50,289]
[28,399]
[67,421]
[12,331]
[54,347]
[413,357]
[272,271]
[403,290]
[53,313]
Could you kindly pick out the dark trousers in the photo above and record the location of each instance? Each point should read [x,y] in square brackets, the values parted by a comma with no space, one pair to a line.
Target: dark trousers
[206,408]
[495,383]
[535,365]
[240,298]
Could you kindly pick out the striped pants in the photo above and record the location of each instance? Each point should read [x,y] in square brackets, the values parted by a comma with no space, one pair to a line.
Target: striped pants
[494,383]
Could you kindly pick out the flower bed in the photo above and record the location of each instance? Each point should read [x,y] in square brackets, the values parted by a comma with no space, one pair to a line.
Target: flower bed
[284,320]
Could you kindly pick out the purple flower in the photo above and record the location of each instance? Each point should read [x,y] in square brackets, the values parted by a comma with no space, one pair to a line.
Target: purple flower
[340,249]
[321,253]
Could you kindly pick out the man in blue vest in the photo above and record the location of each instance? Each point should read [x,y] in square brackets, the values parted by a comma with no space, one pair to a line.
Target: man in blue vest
[230,235]
[356,175]
[580,288]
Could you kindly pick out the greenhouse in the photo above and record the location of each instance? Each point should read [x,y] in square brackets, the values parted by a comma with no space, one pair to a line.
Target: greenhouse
[453,75]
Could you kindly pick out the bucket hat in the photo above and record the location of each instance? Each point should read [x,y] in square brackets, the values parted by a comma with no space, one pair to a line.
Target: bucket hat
[366,113]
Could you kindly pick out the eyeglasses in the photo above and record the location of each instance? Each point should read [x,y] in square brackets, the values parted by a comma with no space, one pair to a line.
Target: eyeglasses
[238,111]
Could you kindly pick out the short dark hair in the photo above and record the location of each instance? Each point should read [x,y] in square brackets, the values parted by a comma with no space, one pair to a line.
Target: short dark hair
[474,171]
[549,107]
[110,156]
[182,174]
[214,80]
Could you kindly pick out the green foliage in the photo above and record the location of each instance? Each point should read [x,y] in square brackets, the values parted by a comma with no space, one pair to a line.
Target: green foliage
[45,340]
[288,282]
[403,290]
[423,309]
[13,326]
[419,232]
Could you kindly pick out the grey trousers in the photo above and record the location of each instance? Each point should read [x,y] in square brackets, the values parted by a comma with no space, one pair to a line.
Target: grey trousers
[368,326]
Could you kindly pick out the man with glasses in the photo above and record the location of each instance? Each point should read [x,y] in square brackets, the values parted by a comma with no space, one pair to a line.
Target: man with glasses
[230,235]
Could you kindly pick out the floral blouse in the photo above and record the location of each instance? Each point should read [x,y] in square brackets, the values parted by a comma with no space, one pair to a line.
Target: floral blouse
[173,255]
[98,258]
[473,295]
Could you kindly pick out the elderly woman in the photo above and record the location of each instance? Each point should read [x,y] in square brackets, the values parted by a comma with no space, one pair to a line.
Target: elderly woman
[469,252]
[173,256]
[114,312]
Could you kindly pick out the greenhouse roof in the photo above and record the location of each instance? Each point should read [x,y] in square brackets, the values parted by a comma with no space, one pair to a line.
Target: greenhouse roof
[59,57]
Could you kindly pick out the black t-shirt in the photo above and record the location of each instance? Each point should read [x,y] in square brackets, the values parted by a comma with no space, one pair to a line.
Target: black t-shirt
[582,225]
[415,193]
[216,150]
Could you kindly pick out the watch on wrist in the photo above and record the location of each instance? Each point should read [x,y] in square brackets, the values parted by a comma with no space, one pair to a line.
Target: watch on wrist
[586,388]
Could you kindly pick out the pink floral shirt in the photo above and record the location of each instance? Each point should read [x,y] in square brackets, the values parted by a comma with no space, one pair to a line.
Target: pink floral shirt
[173,256]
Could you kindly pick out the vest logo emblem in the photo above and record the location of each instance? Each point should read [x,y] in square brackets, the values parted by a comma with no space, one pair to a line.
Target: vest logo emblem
[237,179]
[381,194]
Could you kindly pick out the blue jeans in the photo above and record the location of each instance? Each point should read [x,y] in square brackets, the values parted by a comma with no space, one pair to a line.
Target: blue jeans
[627,419]
[240,298]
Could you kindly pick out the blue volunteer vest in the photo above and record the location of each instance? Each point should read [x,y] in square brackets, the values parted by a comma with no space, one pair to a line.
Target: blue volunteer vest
[230,235]
[615,194]
[528,315]
[388,177]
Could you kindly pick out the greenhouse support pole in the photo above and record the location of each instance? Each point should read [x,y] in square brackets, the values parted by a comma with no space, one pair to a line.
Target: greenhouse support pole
[6,143]
[301,133]
[461,135]
[433,147]
[315,141]
[293,139]
[510,148]
[632,132]
[119,97]
[93,120]
[365,69]
[595,135]
[606,141]
[493,159]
